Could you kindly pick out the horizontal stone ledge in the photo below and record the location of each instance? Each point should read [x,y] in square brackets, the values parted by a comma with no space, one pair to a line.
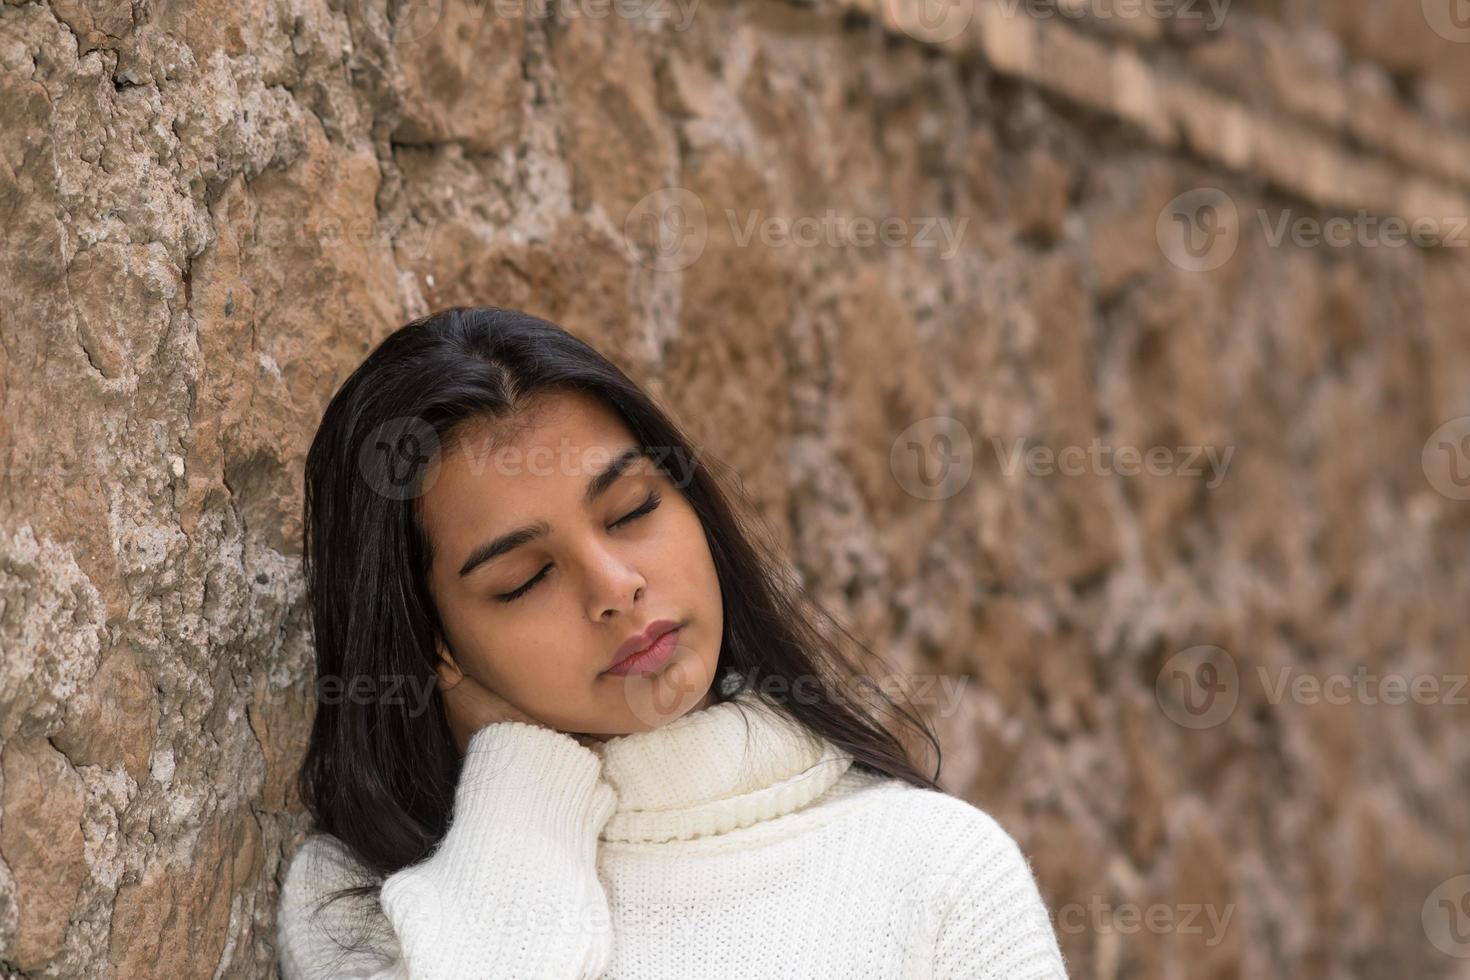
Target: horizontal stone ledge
[1289,153]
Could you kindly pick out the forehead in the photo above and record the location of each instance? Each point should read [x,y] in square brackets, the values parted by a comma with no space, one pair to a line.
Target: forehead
[494,470]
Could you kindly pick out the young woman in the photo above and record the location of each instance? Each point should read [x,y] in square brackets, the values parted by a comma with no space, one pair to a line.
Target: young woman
[575,722]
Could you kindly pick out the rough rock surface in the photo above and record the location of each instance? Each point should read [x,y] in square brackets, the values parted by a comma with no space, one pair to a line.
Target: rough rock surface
[209,211]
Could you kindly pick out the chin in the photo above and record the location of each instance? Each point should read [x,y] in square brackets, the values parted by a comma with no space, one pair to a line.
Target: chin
[649,701]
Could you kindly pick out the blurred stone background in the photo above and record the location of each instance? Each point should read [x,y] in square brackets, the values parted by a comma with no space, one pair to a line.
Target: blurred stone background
[210,211]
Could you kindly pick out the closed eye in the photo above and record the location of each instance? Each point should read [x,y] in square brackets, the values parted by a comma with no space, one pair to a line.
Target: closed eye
[649,505]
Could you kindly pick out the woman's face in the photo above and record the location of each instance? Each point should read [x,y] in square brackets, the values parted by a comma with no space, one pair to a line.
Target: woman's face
[540,622]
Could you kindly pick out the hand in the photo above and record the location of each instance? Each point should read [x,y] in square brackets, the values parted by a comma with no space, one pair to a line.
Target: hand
[471,706]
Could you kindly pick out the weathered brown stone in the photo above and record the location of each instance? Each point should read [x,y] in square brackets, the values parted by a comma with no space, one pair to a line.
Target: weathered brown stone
[460,64]
[621,146]
[210,212]
[41,842]
[173,920]
[112,721]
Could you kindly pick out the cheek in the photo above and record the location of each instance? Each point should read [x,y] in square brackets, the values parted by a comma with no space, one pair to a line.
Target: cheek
[495,633]
[695,565]
[534,650]
[674,544]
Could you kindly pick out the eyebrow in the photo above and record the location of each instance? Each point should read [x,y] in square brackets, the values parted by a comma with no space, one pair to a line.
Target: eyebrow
[511,540]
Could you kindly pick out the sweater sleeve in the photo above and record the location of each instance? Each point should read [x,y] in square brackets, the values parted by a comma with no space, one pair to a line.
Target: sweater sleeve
[511,890]
[996,926]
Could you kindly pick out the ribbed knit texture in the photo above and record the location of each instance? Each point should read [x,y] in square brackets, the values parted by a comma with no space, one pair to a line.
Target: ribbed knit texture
[727,843]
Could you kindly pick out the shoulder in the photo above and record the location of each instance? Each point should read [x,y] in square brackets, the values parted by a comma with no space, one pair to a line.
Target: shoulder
[319,932]
[321,853]
[320,866]
[946,821]
[967,886]
[942,839]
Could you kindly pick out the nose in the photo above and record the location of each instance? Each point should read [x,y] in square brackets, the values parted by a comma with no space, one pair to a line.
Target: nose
[613,586]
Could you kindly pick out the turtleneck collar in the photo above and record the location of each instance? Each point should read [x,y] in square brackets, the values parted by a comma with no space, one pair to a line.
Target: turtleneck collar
[730,765]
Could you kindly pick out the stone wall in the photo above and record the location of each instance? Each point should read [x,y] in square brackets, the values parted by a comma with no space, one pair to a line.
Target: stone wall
[1111,243]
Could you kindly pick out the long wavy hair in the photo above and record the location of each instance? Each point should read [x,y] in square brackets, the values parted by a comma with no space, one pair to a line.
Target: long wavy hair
[379,774]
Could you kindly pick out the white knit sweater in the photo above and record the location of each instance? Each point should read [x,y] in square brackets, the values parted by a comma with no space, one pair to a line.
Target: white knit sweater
[683,852]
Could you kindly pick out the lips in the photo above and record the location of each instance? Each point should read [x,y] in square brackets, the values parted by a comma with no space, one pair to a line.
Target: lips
[642,640]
